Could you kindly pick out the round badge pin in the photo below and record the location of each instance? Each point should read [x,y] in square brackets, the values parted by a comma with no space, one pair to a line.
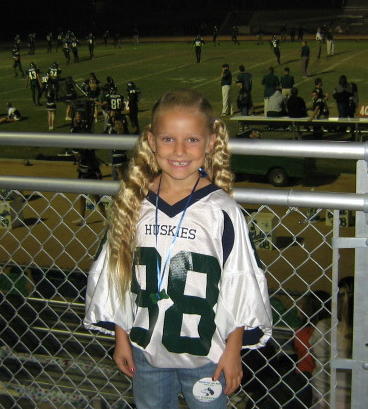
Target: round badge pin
[207,390]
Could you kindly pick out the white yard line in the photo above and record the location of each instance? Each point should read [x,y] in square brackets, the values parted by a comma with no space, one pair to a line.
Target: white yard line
[332,66]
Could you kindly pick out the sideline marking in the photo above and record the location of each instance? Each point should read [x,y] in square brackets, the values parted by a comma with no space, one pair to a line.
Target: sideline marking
[332,66]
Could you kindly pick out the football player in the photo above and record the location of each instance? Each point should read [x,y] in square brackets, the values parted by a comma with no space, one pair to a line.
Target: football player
[59,40]
[198,43]
[33,79]
[275,45]
[74,45]
[106,37]
[91,45]
[17,64]
[54,77]
[66,51]
[49,42]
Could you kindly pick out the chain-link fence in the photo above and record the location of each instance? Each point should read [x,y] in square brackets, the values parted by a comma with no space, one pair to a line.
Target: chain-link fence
[48,360]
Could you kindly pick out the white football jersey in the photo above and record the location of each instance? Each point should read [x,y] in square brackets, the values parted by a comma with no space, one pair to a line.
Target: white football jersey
[211,284]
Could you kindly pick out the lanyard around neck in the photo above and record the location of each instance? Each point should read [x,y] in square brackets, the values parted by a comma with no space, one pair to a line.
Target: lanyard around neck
[161,268]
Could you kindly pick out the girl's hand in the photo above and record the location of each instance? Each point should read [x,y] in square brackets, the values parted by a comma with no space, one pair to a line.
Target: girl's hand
[123,356]
[230,364]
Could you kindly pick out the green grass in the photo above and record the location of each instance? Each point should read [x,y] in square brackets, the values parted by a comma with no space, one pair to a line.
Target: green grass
[158,67]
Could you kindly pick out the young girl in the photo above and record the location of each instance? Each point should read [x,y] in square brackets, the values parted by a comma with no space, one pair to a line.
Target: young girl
[178,280]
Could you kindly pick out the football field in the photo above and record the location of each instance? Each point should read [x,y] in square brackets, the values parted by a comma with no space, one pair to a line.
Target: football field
[160,66]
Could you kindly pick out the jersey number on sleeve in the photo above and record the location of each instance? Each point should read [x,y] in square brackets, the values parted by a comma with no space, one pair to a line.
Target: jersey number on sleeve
[180,264]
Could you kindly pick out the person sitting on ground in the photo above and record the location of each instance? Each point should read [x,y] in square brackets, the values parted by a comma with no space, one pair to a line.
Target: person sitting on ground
[319,107]
[12,115]
[276,104]
[295,105]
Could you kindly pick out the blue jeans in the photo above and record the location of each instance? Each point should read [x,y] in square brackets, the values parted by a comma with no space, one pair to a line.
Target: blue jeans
[158,388]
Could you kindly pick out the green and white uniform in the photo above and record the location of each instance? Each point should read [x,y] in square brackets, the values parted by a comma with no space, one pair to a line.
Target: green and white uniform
[212,279]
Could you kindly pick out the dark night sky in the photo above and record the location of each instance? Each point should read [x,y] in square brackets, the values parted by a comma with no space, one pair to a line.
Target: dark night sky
[152,15]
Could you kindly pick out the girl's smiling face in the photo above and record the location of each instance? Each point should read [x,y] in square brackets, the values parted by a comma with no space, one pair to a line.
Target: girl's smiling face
[180,140]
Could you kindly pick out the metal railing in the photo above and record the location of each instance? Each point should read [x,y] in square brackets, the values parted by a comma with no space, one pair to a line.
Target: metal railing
[48,357]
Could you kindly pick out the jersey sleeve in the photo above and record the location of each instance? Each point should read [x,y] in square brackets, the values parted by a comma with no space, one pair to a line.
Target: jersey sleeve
[103,306]
[243,299]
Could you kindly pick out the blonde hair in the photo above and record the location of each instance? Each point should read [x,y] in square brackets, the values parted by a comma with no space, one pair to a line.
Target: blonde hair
[143,168]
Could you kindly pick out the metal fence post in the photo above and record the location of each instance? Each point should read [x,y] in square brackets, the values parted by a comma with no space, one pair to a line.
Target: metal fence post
[359,390]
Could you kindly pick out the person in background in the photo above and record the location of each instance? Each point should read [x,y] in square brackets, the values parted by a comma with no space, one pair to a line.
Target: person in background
[215,35]
[13,114]
[91,45]
[320,342]
[70,96]
[275,45]
[74,46]
[319,39]
[276,104]
[51,106]
[295,105]
[106,36]
[312,307]
[59,40]
[234,34]
[49,42]
[245,79]
[330,43]
[66,51]
[343,94]
[305,55]
[354,101]
[17,64]
[34,81]
[88,168]
[319,101]
[133,93]
[198,43]
[287,82]
[226,81]
[270,83]
[119,157]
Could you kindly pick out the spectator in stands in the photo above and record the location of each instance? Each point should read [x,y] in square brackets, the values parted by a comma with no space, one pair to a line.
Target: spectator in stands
[287,82]
[321,349]
[13,114]
[295,105]
[343,94]
[226,81]
[270,83]
[330,43]
[276,104]
[304,55]
[244,79]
